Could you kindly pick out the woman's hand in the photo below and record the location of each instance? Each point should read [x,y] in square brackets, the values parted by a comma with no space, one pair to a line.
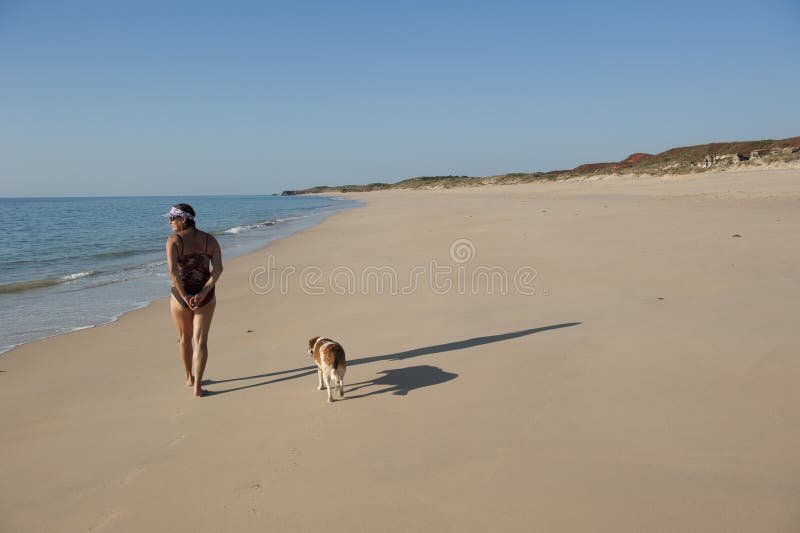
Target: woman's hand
[194,301]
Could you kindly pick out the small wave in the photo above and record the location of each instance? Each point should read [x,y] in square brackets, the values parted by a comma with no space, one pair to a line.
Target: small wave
[125,253]
[145,266]
[104,255]
[236,230]
[289,219]
[78,275]
[22,286]
[8,348]
[104,283]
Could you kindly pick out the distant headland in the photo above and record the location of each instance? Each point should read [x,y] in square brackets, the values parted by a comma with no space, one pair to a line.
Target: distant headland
[683,160]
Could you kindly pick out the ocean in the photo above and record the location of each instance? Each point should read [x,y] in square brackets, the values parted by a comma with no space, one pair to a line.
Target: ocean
[72,263]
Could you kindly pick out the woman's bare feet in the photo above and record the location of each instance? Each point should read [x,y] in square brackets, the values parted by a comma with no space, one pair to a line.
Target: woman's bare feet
[189,380]
[198,392]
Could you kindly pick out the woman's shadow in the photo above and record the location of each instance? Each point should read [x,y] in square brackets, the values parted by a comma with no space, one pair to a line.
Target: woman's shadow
[401,381]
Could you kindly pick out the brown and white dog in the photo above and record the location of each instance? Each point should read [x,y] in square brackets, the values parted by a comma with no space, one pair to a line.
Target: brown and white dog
[331,364]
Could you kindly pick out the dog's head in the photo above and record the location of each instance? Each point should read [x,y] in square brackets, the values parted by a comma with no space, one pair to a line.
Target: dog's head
[311,342]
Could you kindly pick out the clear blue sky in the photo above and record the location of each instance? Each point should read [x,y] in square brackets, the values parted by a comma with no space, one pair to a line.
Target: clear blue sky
[116,98]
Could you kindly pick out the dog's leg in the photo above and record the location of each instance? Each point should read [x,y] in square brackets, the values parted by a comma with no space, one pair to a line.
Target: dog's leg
[335,383]
[340,378]
[319,375]
[327,377]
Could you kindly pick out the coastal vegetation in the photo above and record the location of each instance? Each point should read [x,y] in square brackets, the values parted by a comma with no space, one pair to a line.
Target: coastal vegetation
[681,160]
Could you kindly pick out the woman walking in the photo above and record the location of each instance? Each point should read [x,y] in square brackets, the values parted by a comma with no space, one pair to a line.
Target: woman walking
[195,265]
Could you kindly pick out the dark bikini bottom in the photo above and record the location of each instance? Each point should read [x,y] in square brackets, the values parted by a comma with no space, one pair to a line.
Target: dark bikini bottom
[181,301]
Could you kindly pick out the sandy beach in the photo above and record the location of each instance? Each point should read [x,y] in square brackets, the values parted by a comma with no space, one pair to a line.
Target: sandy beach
[614,355]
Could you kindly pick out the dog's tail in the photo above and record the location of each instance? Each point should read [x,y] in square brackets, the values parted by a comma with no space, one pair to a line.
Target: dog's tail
[339,362]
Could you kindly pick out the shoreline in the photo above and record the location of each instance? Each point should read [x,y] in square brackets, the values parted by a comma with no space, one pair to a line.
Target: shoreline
[624,394]
[119,315]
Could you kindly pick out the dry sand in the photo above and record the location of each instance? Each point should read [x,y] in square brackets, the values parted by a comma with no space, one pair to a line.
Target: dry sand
[649,383]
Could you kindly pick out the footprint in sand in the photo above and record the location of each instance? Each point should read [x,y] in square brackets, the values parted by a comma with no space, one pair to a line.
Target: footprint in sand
[253,499]
[255,509]
[132,475]
[107,518]
[177,440]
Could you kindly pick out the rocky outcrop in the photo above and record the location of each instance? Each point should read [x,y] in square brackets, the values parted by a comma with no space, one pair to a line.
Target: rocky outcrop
[635,159]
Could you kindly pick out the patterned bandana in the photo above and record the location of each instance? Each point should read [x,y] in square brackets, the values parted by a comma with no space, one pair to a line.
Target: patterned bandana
[175,212]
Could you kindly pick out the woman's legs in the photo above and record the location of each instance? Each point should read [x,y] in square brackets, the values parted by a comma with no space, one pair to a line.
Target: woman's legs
[183,319]
[201,326]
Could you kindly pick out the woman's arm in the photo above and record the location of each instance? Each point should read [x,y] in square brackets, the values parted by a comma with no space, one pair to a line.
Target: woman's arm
[216,272]
[216,263]
[172,263]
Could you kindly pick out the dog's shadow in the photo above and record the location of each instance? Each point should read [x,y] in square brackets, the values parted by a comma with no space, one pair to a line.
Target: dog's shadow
[300,372]
[400,381]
